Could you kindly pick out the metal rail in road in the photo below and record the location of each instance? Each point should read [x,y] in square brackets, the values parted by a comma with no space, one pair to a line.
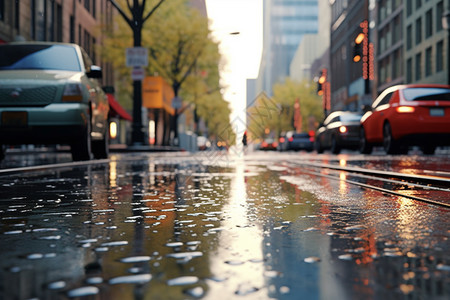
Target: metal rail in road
[425,182]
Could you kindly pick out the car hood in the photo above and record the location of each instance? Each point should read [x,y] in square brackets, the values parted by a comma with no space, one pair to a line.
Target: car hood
[36,77]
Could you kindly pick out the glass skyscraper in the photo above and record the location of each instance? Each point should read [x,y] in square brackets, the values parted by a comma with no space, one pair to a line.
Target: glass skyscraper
[285,23]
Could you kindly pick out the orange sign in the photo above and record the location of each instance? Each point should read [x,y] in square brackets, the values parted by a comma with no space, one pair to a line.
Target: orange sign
[156,93]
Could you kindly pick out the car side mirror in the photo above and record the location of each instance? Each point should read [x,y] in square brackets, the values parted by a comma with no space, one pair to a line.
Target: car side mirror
[366,108]
[95,72]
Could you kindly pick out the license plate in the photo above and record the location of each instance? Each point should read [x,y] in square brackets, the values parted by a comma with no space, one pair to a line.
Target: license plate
[14,118]
[437,112]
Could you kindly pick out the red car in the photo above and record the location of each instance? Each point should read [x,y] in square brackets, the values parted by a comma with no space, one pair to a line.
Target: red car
[408,115]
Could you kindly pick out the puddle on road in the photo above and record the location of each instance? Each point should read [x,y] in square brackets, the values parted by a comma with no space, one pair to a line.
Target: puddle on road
[180,230]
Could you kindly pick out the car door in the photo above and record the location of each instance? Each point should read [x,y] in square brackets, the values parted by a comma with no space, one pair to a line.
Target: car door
[98,99]
[373,125]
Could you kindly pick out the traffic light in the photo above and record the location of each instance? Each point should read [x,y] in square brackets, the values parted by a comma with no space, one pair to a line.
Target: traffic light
[357,47]
[319,84]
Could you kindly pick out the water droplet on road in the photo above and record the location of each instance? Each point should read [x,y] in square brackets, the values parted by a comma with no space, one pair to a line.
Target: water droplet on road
[56,285]
[135,259]
[312,259]
[139,278]
[94,280]
[196,292]
[345,257]
[113,244]
[174,244]
[183,280]
[83,291]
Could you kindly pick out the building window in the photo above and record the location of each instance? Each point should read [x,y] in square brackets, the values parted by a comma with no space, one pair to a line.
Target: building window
[59,23]
[429,24]
[440,56]
[418,31]
[72,29]
[17,16]
[418,4]
[38,20]
[418,69]
[409,70]
[408,8]
[409,37]
[397,32]
[80,41]
[2,10]
[397,64]
[428,62]
[439,12]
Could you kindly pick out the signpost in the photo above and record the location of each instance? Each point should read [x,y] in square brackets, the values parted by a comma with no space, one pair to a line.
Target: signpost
[137,74]
[136,57]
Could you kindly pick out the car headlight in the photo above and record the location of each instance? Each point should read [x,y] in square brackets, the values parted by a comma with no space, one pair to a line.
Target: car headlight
[72,93]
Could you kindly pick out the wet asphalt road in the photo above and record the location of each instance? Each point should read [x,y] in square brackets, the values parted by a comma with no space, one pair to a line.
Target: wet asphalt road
[212,226]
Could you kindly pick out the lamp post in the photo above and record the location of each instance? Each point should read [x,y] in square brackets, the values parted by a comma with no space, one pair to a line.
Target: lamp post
[446,25]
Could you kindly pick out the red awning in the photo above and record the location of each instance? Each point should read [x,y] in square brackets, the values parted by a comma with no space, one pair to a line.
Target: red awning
[116,109]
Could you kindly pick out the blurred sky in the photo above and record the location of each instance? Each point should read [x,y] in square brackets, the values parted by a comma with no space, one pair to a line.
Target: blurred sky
[242,52]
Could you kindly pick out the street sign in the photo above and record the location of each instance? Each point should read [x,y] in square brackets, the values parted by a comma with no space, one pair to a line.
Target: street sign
[176,102]
[136,57]
[137,74]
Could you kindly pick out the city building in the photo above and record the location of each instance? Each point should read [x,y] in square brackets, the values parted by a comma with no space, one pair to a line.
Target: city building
[313,47]
[285,24]
[350,82]
[390,44]
[426,42]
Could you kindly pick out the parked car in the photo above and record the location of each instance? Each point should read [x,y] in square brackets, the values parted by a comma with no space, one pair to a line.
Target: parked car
[50,94]
[301,141]
[268,144]
[406,115]
[283,140]
[340,130]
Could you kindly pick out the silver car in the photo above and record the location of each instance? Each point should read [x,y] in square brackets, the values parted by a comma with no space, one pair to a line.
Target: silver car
[50,94]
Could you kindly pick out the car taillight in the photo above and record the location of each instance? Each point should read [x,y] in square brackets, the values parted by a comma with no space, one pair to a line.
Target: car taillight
[274,144]
[342,129]
[311,139]
[291,139]
[405,109]
[72,93]
[282,139]
[264,144]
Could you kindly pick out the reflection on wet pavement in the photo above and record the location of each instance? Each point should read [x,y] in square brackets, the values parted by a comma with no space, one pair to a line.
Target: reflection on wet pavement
[167,228]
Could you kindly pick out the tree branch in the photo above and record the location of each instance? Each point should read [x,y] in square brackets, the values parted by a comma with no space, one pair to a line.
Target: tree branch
[152,11]
[122,13]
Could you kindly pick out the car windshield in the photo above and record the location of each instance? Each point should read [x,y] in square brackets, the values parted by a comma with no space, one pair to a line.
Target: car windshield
[350,118]
[39,57]
[301,135]
[425,94]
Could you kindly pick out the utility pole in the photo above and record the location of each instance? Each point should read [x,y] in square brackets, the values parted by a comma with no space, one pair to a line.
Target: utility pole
[136,24]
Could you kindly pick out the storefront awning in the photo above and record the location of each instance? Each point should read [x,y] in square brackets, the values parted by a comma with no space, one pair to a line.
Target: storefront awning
[116,110]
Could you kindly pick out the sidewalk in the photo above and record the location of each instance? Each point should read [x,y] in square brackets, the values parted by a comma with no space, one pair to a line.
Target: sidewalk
[115,148]
[143,148]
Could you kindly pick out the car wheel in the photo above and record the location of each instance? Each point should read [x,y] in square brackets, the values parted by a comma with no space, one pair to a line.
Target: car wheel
[2,152]
[335,149]
[390,145]
[100,148]
[428,149]
[364,146]
[81,149]
[318,147]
